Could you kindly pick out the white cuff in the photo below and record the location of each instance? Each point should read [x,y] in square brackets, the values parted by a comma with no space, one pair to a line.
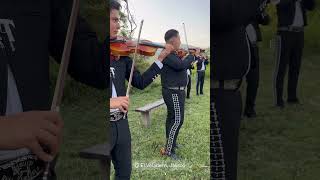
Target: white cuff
[159,63]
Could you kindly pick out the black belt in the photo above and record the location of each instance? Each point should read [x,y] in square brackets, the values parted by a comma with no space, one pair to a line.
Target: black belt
[116,116]
[23,167]
[291,28]
[181,88]
[232,84]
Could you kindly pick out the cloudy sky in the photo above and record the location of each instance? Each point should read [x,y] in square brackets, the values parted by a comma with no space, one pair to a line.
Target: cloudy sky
[162,15]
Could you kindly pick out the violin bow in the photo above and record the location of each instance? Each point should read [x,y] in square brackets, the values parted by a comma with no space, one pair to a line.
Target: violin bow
[134,61]
[185,35]
[58,93]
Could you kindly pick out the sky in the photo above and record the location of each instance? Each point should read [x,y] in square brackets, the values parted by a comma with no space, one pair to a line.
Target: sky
[162,15]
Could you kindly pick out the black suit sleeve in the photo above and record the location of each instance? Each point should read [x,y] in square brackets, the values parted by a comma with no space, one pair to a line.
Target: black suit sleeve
[88,56]
[206,62]
[309,4]
[228,14]
[285,2]
[176,63]
[141,81]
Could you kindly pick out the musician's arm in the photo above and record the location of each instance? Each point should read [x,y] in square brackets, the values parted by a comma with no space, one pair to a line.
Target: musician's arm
[229,14]
[206,62]
[175,63]
[139,80]
[309,4]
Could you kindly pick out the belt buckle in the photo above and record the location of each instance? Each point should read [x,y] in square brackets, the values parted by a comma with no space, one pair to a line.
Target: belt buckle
[23,167]
[116,116]
[295,29]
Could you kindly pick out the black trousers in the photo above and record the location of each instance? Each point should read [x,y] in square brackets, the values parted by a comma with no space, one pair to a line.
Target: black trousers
[252,78]
[121,149]
[200,81]
[189,86]
[289,53]
[174,99]
[226,107]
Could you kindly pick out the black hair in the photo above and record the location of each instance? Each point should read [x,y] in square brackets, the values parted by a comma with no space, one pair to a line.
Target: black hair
[170,34]
[115,5]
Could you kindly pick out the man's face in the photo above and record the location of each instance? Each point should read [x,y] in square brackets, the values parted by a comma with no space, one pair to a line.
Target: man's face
[175,41]
[114,23]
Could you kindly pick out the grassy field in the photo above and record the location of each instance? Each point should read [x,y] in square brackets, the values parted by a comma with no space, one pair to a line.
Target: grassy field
[193,136]
[85,125]
[283,145]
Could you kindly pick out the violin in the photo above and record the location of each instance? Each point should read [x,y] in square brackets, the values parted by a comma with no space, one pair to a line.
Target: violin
[122,47]
[193,50]
[181,53]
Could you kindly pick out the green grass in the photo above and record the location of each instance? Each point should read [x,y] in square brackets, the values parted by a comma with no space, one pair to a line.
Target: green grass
[85,125]
[194,136]
[283,145]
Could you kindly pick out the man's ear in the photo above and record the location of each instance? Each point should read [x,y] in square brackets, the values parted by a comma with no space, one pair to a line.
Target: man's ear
[170,41]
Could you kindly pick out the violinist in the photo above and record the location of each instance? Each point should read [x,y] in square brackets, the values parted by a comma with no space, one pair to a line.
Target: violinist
[231,64]
[120,68]
[189,73]
[202,62]
[174,81]
[252,78]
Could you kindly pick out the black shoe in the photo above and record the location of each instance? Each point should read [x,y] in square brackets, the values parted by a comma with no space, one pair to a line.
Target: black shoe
[293,101]
[250,113]
[197,94]
[201,93]
[188,97]
[174,156]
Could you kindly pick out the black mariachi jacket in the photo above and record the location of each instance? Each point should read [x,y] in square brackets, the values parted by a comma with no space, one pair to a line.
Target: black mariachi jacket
[120,72]
[286,11]
[35,30]
[199,63]
[174,71]
[190,68]
[230,45]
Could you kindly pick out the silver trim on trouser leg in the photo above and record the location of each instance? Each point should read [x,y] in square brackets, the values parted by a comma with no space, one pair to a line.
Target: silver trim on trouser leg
[177,119]
[276,71]
[217,159]
[249,53]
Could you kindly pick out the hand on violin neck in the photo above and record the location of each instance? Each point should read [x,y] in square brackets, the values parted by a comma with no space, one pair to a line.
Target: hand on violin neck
[164,53]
